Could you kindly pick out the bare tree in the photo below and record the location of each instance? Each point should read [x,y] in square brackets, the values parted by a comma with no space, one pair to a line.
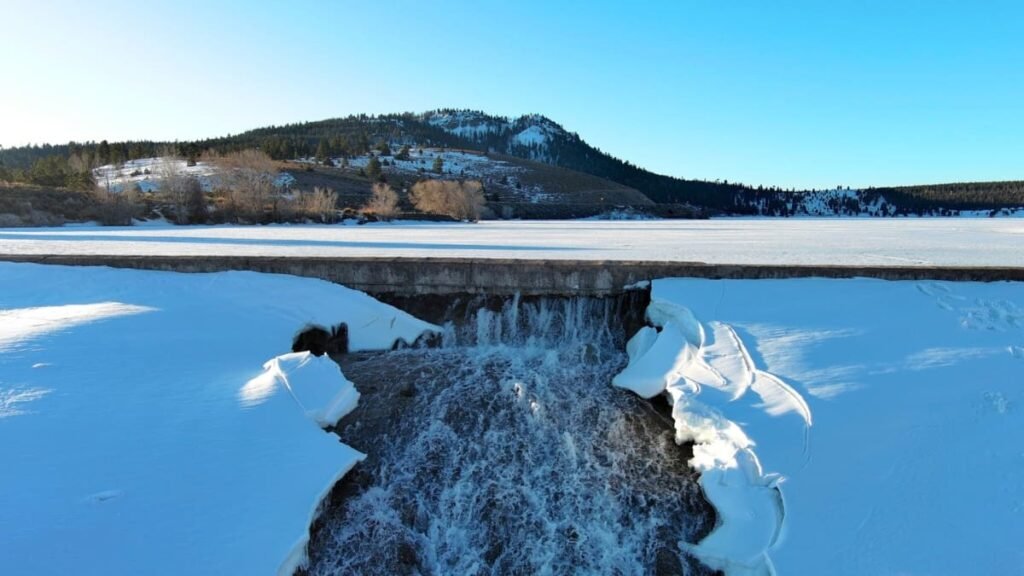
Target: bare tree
[383,202]
[461,200]
[249,178]
[470,200]
[183,190]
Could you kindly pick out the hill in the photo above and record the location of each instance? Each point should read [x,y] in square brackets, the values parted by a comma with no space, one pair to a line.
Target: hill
[515,188]
[532,137]
[553,167]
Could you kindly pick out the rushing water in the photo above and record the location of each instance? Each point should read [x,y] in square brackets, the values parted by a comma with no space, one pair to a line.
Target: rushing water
[507,451]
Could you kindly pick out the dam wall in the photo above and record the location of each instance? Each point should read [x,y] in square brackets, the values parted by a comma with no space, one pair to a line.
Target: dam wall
[415,276]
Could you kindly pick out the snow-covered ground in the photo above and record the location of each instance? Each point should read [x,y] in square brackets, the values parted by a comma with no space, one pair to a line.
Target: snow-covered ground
[141,431]
[146,173]
[455,164]
[152,422]
[902,242]
[847,426]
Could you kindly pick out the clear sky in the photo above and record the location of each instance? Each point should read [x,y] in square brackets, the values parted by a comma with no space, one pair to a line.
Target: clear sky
[802,94]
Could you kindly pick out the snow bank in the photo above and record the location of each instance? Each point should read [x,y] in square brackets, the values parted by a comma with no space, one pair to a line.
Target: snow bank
[913,462]
[314,382]
[679,360]
[655,360]
[140,434]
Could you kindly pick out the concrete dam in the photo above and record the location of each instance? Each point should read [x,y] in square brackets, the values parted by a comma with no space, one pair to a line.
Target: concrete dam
[400,276]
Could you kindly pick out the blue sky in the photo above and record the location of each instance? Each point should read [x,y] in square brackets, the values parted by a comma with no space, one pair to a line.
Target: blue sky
[802,94]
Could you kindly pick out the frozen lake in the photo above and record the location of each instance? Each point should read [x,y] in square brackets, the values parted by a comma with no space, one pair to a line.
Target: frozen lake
[876,242]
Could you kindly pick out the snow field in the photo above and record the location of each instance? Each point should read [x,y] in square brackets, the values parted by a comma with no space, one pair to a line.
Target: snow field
[141,435]
[889,242]
[846,426]
[841,426]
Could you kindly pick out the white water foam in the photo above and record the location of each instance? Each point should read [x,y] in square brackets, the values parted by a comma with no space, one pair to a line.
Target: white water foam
[516,456]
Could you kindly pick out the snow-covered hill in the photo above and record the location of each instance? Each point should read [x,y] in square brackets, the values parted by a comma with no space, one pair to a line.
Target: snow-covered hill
[466,123]
[146,174]
[496,173]
[510,182]
[836,202]
[507,179]
[538,138]
[847,202]
[530,136]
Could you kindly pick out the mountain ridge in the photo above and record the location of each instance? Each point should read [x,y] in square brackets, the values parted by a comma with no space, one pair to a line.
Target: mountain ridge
[537,138]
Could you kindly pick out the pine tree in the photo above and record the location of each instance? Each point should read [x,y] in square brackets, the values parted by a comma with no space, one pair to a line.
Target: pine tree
[373,168]
[104,152]
[438,167]
[403,153]
[322,151]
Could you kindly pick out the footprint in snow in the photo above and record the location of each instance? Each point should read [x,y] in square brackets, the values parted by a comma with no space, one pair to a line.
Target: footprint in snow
[998,402]
[104,496]
[932,289]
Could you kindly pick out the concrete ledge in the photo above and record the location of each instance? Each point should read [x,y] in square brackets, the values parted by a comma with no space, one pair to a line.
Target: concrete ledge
[411,276]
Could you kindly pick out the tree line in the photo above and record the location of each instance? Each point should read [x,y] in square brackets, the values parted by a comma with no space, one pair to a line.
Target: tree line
[243,188]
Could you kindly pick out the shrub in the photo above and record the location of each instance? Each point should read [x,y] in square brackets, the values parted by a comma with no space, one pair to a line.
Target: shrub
[320,205]
[460,200]
[248,179]
[383,202]
[116,208]
[183,190]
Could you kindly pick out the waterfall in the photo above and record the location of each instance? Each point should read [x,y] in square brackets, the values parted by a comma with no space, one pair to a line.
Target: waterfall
[507,451]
